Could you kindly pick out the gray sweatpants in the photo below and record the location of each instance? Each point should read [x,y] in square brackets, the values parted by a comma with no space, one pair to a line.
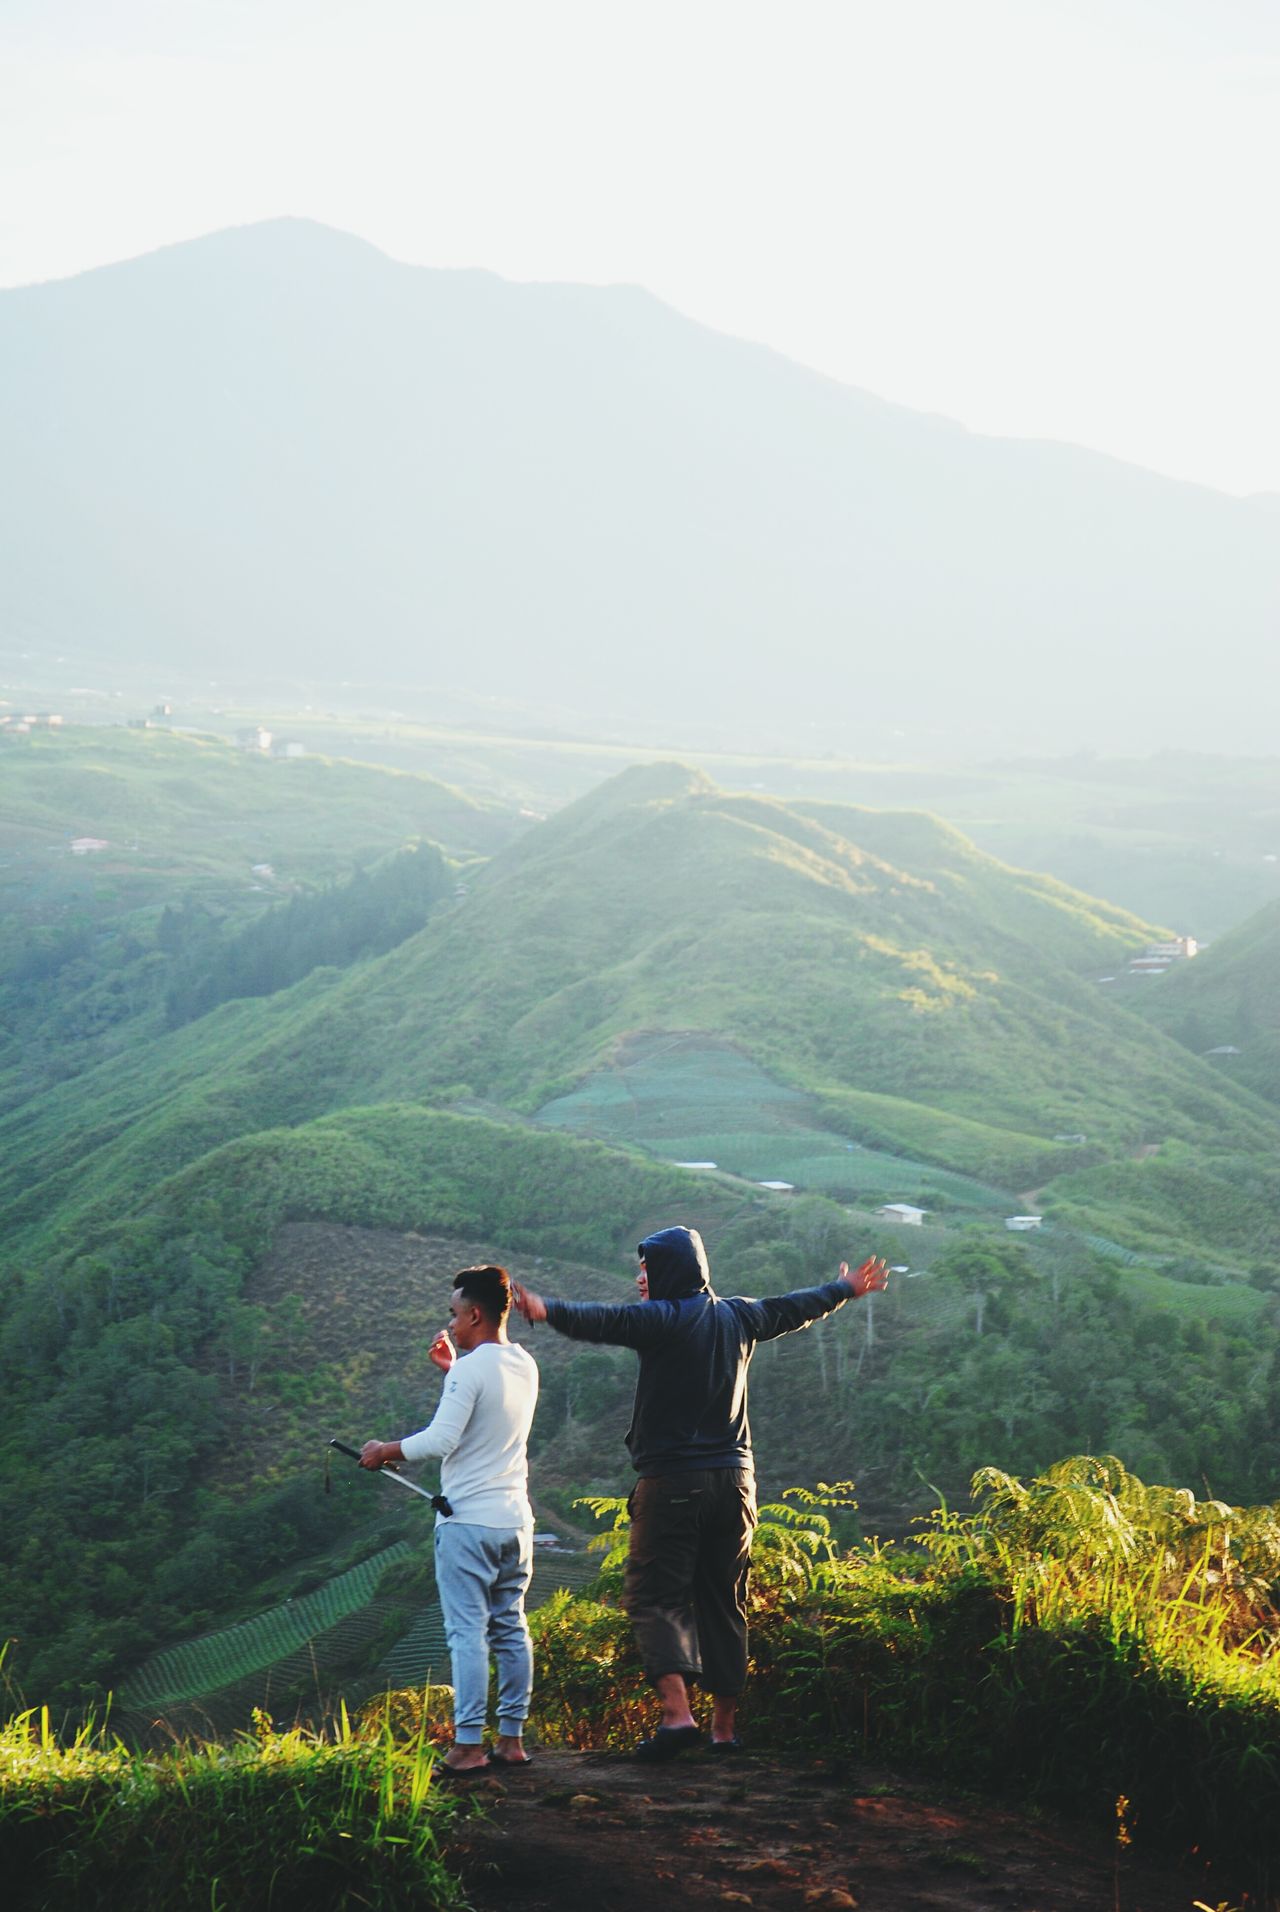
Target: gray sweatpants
[686,1579]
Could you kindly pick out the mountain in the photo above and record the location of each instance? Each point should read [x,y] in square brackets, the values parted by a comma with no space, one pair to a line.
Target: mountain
[1225,1005]
[275,451]
[936,1001]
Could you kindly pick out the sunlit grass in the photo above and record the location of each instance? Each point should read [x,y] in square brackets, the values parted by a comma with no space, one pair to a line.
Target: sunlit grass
[348,1816]
[1078,1638]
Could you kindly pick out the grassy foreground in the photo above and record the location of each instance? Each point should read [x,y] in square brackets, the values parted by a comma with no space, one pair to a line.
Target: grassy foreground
[276,1819]
[1081,1641]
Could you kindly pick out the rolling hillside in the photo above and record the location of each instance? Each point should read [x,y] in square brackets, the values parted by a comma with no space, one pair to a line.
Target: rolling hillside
[939,1003]
[192,817]
[1225,1006]
[125,853]
[658,963]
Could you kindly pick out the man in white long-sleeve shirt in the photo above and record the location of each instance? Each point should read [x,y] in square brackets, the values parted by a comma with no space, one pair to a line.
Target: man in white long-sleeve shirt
[484,1546]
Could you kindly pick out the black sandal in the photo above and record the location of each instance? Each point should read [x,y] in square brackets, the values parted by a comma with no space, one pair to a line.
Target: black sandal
[458,1775]
[667,1743]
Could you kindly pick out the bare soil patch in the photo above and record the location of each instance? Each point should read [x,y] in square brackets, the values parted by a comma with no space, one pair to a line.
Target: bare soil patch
[584,1829]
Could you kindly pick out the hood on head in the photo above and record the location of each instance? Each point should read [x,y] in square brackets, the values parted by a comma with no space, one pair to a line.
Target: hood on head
[676,1264]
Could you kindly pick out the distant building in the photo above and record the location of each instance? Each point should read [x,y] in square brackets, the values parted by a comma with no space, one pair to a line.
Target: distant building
[253,738]
[1022,1223]
[288,747]
[1223,1049]
[786,1188]
[48,720]
[695,1165]
[88,846]
[904,1213]
[1157,957]
[1070,1138]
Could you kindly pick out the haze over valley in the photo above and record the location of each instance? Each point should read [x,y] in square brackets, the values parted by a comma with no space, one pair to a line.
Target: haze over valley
[492,766]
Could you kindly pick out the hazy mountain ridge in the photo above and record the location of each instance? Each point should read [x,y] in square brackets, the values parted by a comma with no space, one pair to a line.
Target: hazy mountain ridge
[280,444]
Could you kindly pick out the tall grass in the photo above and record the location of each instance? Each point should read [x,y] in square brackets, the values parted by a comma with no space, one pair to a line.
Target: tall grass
[1080,1639]
[349,1817]
[1076,1638]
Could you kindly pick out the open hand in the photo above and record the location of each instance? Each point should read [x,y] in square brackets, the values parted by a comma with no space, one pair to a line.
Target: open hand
[442,1351]
[867,1279]
[531,1306]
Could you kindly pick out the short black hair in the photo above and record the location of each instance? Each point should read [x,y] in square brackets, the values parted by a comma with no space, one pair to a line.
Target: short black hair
[487,1288]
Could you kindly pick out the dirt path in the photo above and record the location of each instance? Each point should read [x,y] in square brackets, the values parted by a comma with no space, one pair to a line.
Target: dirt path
[586,1829]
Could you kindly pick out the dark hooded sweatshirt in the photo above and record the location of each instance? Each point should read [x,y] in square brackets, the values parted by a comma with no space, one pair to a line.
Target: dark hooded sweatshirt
[691,1393]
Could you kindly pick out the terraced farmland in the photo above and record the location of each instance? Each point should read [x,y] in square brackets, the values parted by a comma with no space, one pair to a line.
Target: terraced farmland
[300,1653]
[219,1660]
[692,1099]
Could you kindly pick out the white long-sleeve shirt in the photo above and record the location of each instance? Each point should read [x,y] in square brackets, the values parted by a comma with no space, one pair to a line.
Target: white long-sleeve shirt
[479,1433]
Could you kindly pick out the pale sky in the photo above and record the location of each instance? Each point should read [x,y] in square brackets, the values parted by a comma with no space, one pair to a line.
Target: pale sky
[1046,218]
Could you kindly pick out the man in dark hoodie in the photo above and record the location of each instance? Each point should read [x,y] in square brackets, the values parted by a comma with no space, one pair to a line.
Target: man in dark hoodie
[693,1508]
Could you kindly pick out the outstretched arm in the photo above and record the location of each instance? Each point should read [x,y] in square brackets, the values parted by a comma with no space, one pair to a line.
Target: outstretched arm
[634,1324]
[783,1314]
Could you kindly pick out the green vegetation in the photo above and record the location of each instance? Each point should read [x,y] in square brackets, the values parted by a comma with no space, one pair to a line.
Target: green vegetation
[808,993]
[275,1818]
[129,1347]
[692,1098]
[1226,1203]
[1225,1005]
[175,807]
[836,971]
[1187,841]
[201,1666]
[370,913]
[1080,1639]
[198,841]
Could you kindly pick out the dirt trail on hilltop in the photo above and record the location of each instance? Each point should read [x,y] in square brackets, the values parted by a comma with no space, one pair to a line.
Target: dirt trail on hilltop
[583,1829]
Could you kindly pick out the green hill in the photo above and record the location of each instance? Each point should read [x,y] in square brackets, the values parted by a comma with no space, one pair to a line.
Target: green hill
[814,985]
[125,852]
[939,1003]
[1225,1006]
[173,807]
[186,1390]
